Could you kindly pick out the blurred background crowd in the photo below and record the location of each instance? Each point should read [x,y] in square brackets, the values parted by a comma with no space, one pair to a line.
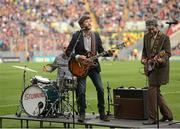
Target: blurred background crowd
[43,27]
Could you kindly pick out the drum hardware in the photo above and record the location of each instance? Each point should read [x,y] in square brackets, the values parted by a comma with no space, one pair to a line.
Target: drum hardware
[68,105]
[52,111]
[64,101]
[40,106]
[89,105]
[25,68]
[65,85]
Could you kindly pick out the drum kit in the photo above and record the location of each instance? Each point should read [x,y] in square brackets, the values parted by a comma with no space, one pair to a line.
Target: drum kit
[44,97]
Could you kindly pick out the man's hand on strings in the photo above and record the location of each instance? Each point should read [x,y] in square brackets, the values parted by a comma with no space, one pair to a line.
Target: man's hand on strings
[158,59]
[111,51]
[83,59]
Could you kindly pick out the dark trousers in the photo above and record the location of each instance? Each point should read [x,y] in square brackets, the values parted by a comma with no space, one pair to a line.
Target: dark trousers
[153,91]
[81,92]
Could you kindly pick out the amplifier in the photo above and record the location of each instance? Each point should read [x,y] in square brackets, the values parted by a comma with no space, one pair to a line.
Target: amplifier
[130,103]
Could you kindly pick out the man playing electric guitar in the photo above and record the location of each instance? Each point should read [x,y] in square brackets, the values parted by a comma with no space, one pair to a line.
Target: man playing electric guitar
[156,42]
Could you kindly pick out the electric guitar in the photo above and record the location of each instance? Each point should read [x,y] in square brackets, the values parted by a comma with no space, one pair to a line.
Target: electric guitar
[79,68]
[151,63]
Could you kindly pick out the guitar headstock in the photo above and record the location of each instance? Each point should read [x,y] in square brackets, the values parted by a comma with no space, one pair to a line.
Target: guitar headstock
[121,46]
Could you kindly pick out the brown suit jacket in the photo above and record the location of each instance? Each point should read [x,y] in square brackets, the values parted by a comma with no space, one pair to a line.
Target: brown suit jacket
[160,75]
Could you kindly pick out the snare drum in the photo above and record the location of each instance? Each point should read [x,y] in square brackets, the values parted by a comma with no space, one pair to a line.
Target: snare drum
[67,85]
[39,99]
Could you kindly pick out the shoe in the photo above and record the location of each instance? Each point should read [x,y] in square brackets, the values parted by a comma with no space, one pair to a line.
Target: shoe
[105,118]
[163,119]
[150,122]
[81,118]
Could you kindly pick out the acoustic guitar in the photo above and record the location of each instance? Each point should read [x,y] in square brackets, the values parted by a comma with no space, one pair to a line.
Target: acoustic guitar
[79,68]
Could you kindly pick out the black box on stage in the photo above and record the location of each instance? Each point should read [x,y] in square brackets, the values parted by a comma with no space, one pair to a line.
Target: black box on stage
[130,103]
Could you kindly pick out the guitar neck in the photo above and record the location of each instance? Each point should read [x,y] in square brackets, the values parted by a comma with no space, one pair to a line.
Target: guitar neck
[99,55]
[119,46]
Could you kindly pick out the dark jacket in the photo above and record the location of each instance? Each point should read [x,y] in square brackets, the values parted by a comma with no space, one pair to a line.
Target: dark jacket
[80,49]
[160,75]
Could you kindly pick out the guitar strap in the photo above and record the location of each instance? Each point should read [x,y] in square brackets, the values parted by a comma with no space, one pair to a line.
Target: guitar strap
[157,46]
[93,43]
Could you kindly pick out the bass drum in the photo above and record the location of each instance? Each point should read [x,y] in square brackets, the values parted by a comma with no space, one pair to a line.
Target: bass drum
[40,100]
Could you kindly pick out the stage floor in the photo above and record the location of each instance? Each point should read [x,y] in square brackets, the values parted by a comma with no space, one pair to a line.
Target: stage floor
[91,121]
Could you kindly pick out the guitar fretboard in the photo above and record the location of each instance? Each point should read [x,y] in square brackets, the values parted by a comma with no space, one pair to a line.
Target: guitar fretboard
[119,46]
[99,55]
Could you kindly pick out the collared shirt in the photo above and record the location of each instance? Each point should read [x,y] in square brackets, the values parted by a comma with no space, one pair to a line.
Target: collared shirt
[153,38]
[87,41]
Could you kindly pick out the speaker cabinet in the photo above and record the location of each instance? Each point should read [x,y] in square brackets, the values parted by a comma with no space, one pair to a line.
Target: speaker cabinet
[130,103]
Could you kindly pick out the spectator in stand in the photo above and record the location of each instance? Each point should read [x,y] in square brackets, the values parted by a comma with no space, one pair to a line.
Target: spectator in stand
[49,18]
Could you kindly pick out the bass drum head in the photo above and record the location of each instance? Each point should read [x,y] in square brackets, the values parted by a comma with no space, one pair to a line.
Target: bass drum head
[33,100]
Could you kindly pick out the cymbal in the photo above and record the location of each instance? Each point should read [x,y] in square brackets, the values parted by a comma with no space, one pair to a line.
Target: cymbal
[58,65]
[25,68]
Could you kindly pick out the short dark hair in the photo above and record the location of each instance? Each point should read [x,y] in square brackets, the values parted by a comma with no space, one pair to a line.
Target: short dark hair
[83,18]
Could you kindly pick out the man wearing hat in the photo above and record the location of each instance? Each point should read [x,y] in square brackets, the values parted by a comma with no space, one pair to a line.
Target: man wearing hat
[87,41]
[155,57]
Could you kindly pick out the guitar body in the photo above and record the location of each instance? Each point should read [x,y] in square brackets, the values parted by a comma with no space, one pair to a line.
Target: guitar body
[77,68]
[151,63]
[148,68]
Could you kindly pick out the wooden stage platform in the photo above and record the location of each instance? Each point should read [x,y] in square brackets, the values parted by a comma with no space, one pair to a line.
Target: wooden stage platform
[90,122]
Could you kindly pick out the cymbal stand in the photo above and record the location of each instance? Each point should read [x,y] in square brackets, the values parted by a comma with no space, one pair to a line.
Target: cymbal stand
[20,108]
[90,107]
[64,94]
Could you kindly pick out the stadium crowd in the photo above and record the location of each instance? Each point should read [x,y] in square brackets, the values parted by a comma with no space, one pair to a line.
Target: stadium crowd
[47,24]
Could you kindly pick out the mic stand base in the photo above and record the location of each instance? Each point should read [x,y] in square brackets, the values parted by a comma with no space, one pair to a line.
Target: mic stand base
[19,110]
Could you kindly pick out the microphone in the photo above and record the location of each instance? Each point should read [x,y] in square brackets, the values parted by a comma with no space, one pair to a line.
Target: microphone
[172,22]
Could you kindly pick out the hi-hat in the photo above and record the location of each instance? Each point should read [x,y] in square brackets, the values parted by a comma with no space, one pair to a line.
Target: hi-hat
[25,68]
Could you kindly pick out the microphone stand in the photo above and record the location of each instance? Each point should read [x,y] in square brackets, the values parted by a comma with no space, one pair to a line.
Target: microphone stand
[18,114]
[73,51]
[74,83]
[157,93]
[166,34]
[109,98]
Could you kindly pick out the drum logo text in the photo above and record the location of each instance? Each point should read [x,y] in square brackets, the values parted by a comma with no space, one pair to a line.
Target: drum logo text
[33,96]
